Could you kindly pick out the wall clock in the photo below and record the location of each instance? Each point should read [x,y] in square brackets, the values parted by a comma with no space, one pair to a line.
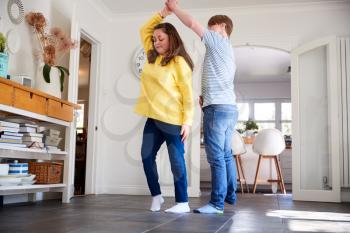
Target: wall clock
[139,61]
[15,11]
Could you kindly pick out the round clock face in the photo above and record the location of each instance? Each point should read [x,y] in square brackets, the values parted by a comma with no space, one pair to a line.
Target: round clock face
[140,59]
[15,11]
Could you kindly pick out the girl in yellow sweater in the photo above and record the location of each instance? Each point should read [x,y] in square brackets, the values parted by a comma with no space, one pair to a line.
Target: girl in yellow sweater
[166,101]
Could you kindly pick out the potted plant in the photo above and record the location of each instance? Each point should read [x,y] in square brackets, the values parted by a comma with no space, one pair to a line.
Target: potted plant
[250,127]
[4,57]
[54,44]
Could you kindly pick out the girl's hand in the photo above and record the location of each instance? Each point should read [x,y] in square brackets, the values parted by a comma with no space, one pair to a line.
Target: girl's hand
[185,131]
[165,12]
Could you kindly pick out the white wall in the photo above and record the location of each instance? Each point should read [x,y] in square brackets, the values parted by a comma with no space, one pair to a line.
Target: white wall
[58,15]
[263,90]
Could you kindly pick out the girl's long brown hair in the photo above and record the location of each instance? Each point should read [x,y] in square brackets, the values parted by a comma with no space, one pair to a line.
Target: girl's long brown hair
[176,46]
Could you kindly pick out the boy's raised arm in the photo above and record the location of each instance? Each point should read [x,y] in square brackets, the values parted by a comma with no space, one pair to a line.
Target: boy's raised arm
[185,18]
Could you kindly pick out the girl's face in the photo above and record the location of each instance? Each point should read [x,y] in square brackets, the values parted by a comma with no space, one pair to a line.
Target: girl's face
[161,41]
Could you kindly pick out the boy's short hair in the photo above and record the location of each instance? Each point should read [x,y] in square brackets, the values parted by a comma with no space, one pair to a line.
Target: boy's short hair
[219,19]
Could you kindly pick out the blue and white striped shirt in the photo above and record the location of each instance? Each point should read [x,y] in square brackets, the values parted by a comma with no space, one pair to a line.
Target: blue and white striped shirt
[219,70]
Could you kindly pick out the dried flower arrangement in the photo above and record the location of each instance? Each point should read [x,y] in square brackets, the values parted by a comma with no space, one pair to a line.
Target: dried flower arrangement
[52,43]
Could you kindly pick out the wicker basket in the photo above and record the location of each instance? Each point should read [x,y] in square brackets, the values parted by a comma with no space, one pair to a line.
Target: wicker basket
[46,172]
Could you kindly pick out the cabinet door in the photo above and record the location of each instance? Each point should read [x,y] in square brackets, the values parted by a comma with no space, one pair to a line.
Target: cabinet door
[316,129]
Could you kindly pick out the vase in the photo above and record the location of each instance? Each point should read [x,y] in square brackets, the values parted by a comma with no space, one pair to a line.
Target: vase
[249,133]
[4,59]
[52,88]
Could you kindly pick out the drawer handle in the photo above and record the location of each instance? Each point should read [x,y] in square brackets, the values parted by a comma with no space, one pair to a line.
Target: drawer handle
[31,95]
[61,105]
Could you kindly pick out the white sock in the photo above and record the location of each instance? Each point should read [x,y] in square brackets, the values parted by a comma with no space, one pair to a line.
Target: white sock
[157,202]
[181,207]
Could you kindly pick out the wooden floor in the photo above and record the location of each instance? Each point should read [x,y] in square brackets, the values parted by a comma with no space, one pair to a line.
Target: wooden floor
[122,214]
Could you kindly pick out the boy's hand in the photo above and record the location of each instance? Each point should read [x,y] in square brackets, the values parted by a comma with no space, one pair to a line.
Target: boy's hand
[185,131]
[165,12]
[200,101]
[171,4]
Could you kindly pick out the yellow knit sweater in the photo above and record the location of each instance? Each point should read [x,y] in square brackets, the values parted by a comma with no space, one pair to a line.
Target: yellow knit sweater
[166,91]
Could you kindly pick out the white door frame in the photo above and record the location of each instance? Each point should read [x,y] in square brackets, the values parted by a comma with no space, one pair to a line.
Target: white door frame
[333,121]
[78,32]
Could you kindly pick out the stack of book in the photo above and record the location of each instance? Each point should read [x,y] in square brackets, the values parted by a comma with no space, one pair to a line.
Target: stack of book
[10,135]
[31,138]
[52,139]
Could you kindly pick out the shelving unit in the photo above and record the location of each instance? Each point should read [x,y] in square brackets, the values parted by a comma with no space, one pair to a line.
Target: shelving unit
[35,154]
[34,105]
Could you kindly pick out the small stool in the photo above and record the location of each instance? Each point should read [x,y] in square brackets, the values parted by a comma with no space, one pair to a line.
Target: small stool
[238,148]
[269,143]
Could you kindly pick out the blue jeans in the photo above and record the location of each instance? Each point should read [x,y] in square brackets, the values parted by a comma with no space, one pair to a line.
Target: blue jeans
[154,135]
[218,124]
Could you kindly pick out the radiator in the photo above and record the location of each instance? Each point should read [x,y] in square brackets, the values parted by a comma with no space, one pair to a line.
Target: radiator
[344,68]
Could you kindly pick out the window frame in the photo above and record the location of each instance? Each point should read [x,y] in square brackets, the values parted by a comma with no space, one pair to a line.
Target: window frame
[278,110]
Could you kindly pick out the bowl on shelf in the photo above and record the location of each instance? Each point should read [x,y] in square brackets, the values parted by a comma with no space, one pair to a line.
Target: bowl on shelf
[9,181]
[28,178]
[28,182]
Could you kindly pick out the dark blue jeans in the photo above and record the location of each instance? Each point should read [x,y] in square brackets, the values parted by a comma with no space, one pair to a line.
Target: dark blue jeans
[218,124]
[154,135]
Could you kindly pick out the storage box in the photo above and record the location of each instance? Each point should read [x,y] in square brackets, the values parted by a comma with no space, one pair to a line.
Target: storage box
[47,172]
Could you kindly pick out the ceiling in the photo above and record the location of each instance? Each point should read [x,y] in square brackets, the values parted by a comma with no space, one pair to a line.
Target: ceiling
[116,7]
[261,64]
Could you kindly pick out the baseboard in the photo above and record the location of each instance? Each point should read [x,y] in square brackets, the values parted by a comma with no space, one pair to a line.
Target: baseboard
[143,190]
[345,194]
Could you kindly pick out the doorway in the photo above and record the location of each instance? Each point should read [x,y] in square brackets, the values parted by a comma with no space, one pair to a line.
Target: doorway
[82,117]
[263,94]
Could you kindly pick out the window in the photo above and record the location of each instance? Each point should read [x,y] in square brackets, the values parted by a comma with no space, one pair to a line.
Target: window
[286,118]
[264,111]
[267,114]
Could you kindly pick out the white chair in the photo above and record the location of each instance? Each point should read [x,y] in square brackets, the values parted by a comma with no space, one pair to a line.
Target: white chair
[238,148]
[269,143]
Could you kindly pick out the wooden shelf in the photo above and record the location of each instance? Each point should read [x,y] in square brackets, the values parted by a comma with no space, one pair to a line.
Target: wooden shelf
[27,153]
[21,189]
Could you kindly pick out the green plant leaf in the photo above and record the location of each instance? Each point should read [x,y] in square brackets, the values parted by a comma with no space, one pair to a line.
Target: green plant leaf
[46,73]
[64,69]
[61,77]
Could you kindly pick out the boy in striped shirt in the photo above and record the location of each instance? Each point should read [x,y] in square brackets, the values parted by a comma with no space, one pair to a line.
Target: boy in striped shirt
[218,101]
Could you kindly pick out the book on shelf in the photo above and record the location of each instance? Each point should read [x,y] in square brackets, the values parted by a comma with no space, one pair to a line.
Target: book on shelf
[24,129]
[6,145]
[34,144]
[10,137]
[4,140]
[28,125]
[9,129]
[8,124]
[52,141]
[53,148]
[38,135]
[32,139]
[11,134]
[52,132]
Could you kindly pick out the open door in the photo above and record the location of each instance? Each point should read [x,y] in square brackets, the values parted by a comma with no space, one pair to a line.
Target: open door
[316,121]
